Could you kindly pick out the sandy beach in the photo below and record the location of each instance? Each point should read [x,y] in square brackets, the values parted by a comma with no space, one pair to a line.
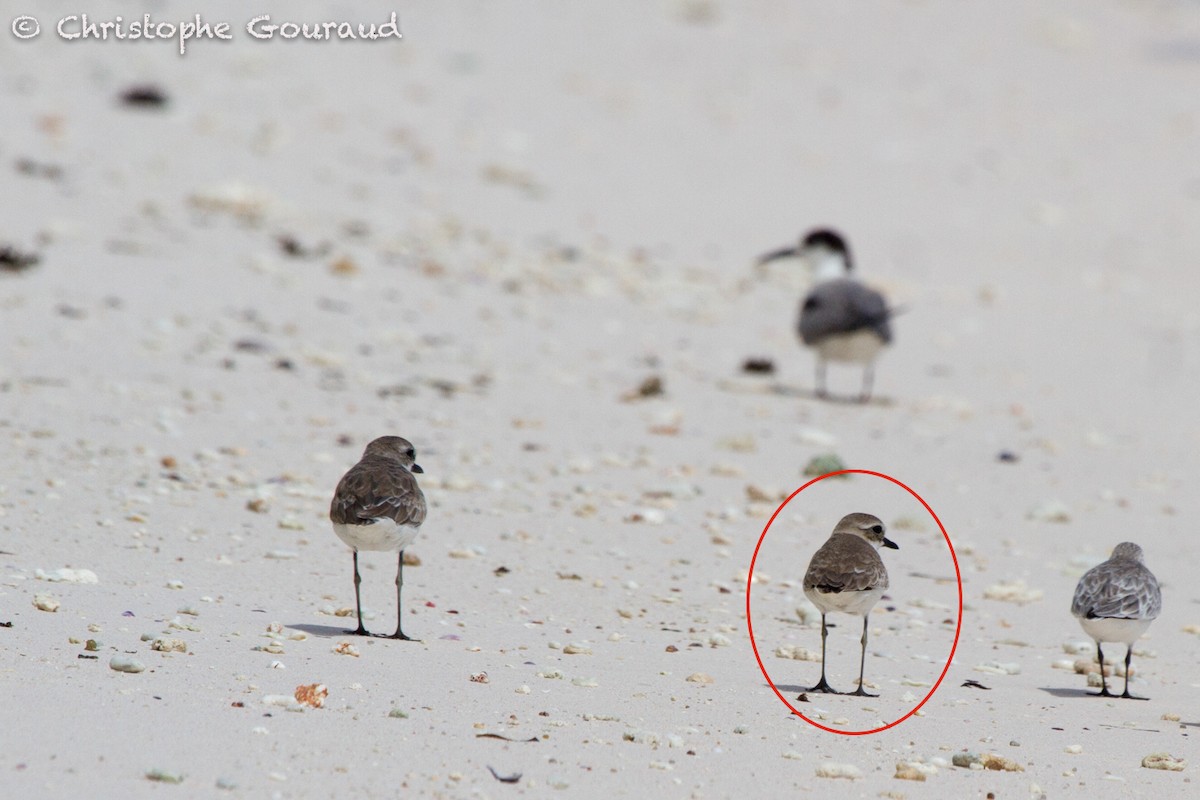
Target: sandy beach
[524,238]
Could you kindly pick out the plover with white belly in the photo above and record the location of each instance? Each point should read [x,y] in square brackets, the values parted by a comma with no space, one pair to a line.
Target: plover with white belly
[379,506]
[846,574]
[1115,602]
[841,319]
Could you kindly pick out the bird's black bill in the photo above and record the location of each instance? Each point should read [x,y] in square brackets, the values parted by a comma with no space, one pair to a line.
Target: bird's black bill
[774,255]
[417,468]
[889,543]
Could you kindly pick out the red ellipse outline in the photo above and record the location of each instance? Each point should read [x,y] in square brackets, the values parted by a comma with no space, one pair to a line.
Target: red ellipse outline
[750,620]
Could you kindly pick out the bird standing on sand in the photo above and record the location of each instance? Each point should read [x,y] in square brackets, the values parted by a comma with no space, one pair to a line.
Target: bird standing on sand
[840,318]
[379,506]
[846,574]
[1115,602]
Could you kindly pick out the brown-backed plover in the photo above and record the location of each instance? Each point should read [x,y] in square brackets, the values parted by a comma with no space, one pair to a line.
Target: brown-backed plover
[379,506]
[846,574]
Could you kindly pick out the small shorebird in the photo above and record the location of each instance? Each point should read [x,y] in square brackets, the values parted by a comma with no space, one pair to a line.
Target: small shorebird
[846,574]
[1115,602]
[840,318]
[378,506]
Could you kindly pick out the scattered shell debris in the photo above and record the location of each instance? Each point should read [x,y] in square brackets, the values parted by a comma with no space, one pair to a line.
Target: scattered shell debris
[796,652]
[312,694]
[999,668]
[914,771]
[124,663]
[1013,592]
[700,677]
[44,602]
[1164,761]
[284,701]
[67,575]
[1050,511]
[346,649]
[986,761]
[831,769]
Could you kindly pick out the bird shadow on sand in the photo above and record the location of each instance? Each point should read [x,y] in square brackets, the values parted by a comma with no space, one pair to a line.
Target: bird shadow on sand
[783,390]
[326,631]
[1059,691]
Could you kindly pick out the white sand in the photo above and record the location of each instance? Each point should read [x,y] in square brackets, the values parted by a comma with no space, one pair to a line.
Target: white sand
[535,208]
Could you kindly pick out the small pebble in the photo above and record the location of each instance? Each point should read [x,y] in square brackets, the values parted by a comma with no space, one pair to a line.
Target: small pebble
[124,663]
[164,776]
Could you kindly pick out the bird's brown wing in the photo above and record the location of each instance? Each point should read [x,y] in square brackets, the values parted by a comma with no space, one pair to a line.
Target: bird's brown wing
[374,489]
[846,564]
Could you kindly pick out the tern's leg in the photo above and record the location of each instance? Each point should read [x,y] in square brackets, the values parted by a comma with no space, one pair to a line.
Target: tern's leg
[360,630]
[1128,657]
[399,634]
[823,686]
[1103,683]
[862,662]
[821,392]
[868,383]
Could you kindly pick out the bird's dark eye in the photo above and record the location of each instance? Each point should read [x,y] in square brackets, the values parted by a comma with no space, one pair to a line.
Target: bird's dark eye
[877,528]
[411,453]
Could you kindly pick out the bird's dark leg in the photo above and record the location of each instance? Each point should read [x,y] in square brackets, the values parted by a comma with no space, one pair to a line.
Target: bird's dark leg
[1128,658]
[823,686]
[399,634]
[821,392]
[868,383]
[862,662]
[360,631]
[1103,683]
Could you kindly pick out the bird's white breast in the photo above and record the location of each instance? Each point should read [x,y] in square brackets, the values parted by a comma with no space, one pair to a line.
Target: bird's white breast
[859,603]
[384,535]
[1108,629]
[860,347]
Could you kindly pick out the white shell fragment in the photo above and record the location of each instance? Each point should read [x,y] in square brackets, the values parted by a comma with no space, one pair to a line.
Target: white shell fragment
[124,663]
[283,701]
[1051,511]
[67,575]
[999,668]
[1013,592]
[44,602]
[831,769]
[797,653]
[346,649]
[1164,761]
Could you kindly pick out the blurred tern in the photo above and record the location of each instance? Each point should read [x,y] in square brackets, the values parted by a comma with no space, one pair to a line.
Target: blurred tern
[840,318]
